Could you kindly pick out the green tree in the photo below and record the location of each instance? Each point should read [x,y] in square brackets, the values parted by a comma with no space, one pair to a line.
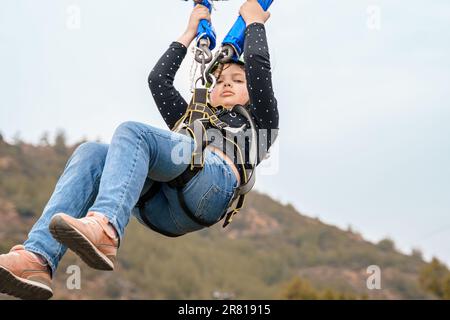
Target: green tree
[60,142]
[417,253]
[300,289]
[17,139]
[386,244]
[435,278]
[44,139]
[446,290]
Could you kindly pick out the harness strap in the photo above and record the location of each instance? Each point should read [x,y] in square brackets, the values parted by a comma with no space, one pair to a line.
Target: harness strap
[249,180]
[150,193]
[154,189]
[189,213]
[184,178]
[198,111]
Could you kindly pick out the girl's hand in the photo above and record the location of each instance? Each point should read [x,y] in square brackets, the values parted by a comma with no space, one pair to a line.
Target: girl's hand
[251,11]
[198,13]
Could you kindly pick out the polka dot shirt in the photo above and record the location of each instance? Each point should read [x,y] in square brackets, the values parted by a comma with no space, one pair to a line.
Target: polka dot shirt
[263,104]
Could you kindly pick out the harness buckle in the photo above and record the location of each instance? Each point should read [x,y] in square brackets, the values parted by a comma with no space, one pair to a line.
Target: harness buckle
[229,217]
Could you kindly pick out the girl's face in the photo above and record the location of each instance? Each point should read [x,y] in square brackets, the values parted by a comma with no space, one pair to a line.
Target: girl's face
[231,87]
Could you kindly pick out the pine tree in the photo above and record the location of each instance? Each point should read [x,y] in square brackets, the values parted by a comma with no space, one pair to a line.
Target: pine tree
[60,142]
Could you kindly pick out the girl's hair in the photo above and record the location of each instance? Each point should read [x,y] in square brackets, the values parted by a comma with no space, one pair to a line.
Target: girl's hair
[239,63]
[217,72]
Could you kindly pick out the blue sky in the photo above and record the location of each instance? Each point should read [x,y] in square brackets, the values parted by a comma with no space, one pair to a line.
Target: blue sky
[364,111]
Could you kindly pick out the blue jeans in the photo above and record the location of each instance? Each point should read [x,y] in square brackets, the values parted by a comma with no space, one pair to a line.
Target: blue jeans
[111,178]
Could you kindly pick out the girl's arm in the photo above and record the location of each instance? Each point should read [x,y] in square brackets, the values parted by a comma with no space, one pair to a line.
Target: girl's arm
[169,101]
[263,104]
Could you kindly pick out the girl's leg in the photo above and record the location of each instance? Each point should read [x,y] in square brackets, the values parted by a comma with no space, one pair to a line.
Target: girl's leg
[74,193]
[138,152]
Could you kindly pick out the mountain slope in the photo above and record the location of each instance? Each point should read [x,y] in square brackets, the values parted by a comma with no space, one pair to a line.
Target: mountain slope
[266,246]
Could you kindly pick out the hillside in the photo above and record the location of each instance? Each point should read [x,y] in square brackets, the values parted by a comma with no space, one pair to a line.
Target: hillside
[267,248]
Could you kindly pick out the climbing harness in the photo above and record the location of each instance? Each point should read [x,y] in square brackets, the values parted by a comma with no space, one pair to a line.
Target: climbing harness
[201,116]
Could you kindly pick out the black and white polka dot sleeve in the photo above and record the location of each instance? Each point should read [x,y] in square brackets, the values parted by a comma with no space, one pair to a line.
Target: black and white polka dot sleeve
[263,104]
[169,101]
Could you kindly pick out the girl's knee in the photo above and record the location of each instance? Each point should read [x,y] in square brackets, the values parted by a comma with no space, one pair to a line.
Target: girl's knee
[92,150]
[138,128]
[131,127]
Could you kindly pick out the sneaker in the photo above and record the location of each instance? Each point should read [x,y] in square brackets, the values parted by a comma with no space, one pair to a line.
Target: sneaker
[92,238]
[24,275]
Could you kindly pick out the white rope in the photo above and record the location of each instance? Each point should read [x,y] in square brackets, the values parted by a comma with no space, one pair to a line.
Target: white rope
[192,75]
[193,72]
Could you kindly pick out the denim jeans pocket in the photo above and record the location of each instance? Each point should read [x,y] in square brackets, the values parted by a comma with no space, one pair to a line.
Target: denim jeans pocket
[213,204]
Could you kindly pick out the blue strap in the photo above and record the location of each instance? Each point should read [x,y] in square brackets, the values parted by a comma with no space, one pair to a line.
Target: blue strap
[205,29]
[236,35]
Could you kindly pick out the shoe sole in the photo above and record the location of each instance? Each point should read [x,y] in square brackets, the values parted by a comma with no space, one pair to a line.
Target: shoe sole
[72,238]
[23,288]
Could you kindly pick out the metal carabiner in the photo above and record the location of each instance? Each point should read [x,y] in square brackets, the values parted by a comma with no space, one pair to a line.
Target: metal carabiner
[204,82]
[222,56]
[227,53]
[204,54]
